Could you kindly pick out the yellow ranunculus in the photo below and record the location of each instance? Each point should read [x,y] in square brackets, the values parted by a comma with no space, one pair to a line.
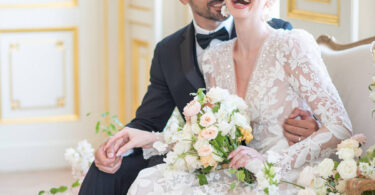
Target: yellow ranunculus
[246,134]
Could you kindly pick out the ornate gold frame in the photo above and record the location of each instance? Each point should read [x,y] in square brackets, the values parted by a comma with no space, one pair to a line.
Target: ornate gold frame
[72,3]
[332,44]
[295,13]
[71,117]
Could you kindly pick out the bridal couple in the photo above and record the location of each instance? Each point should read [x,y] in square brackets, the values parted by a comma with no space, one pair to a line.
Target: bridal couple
[278,72]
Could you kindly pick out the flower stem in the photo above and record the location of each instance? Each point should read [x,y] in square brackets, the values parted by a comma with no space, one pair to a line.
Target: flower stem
[287,182]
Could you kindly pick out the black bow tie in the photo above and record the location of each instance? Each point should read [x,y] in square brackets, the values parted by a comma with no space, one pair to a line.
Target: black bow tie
[205,40]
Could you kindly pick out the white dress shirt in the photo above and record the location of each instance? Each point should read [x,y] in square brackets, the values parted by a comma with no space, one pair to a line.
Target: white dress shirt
[228,24]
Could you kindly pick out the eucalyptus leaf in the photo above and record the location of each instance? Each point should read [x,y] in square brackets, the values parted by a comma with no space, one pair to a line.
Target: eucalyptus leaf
[76,184]
[97,128]
[62,189]
[41,192]
[53,190]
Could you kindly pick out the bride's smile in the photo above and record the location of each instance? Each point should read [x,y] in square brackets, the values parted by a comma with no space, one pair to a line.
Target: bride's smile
[241,4]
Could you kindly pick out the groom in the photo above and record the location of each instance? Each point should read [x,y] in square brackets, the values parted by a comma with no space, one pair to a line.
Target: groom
[175,73]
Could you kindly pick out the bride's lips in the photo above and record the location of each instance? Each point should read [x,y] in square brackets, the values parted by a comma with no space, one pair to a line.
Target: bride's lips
[241,4]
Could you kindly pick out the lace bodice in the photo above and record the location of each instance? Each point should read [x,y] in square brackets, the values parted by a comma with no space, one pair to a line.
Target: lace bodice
[289,73]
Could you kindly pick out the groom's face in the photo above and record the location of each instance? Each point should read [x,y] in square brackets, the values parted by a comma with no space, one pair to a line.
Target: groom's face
[209,9]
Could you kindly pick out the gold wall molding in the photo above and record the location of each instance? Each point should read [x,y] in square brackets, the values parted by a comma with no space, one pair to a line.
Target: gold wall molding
[121,61]
[134,22]
[17,104]
[140,8]
[332,44]
[320,1]
[71,3]
[295,13]
[137,56]
[57,118]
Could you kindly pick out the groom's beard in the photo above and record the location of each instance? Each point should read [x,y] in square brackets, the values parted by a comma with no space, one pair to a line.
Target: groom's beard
[208,11]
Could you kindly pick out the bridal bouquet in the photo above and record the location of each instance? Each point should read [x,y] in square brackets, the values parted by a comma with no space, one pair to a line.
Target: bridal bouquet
[216,125]
[329,176]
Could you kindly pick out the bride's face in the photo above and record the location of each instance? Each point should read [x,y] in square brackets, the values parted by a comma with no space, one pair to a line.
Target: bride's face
[246,9]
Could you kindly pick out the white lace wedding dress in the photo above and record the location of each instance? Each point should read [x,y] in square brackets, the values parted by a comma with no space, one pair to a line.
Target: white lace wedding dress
[289,73]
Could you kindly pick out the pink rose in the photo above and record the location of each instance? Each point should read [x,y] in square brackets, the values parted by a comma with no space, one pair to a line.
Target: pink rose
[207,119]
[209,133]
[192,108]
[360,138]
[205,150]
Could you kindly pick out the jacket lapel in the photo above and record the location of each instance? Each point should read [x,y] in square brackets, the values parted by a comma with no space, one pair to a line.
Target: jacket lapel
[187,51]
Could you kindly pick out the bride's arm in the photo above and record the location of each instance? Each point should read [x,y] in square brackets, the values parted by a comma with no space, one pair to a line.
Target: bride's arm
[309,77]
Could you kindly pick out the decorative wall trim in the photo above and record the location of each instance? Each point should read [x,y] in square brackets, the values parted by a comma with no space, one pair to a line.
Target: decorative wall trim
[56,118]
[121,60]
[295,13]
[332,44]
[320,1]
[71,3]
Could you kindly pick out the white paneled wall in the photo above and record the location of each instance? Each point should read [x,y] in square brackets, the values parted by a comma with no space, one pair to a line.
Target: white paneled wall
[51,75]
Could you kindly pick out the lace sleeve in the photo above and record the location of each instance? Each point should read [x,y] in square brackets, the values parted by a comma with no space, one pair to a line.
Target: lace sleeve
[309,78]
[166,138]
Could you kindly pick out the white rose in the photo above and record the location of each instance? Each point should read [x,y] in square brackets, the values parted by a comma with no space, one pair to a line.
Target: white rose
[160,146]
[345,153]
[364,168]
[192,162]
[322,189]
[200,143]
[348,143]
[170,158]
[254,165]
[207,119]
[195,128]
[347,169]
[181,147]
[216,94]
[306,191]
[306,177]
[325,168]
[225,128]
[241,120]
[180,164]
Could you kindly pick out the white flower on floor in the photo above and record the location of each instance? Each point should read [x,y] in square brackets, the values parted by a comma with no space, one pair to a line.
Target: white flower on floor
[306,177]
[80,159]
[325,168]
[347,169]
[306,191]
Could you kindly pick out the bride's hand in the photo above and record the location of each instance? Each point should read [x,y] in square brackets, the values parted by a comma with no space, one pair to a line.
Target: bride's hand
[242,155]
[133,138]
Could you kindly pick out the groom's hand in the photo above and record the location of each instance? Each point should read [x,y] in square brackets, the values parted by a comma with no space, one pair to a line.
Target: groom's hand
[297,130]
[104,163]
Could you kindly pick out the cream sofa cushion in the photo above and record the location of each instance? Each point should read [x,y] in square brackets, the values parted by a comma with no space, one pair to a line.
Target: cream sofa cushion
[351,71]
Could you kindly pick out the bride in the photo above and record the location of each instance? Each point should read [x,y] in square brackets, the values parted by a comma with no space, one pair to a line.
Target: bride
[274,71]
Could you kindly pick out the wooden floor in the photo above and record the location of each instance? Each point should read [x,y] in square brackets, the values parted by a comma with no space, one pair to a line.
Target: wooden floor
[30,183]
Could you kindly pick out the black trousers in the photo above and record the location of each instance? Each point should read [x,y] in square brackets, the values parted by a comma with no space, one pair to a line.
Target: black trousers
[97,182]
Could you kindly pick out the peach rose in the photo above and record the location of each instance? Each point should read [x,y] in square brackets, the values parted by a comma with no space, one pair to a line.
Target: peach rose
[208,161]
[205,150]
[209,133]
[207,119]
[192,108]
[361,138]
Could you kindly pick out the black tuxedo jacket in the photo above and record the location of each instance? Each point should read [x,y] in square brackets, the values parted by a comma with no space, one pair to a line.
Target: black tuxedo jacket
[174,75]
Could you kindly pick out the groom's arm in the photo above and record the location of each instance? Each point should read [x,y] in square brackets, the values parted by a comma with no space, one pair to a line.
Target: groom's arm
[158,104]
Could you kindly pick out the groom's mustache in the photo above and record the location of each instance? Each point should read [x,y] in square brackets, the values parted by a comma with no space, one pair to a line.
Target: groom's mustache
[213,2]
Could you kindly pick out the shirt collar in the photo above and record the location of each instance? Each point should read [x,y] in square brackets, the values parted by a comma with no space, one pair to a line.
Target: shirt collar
[228,24]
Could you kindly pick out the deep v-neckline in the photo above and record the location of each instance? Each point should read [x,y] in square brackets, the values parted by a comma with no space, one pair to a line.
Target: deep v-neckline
[252,74]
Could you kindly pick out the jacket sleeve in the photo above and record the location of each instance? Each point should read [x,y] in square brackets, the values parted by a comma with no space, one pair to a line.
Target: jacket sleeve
[157,104]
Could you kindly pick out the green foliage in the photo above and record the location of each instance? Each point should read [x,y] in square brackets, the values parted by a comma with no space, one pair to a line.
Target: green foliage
[369,193]
[41,192]
[61,189]
[76,184]
[202,179]
[233,185]
[200,95]
[216,107]
[108,125]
